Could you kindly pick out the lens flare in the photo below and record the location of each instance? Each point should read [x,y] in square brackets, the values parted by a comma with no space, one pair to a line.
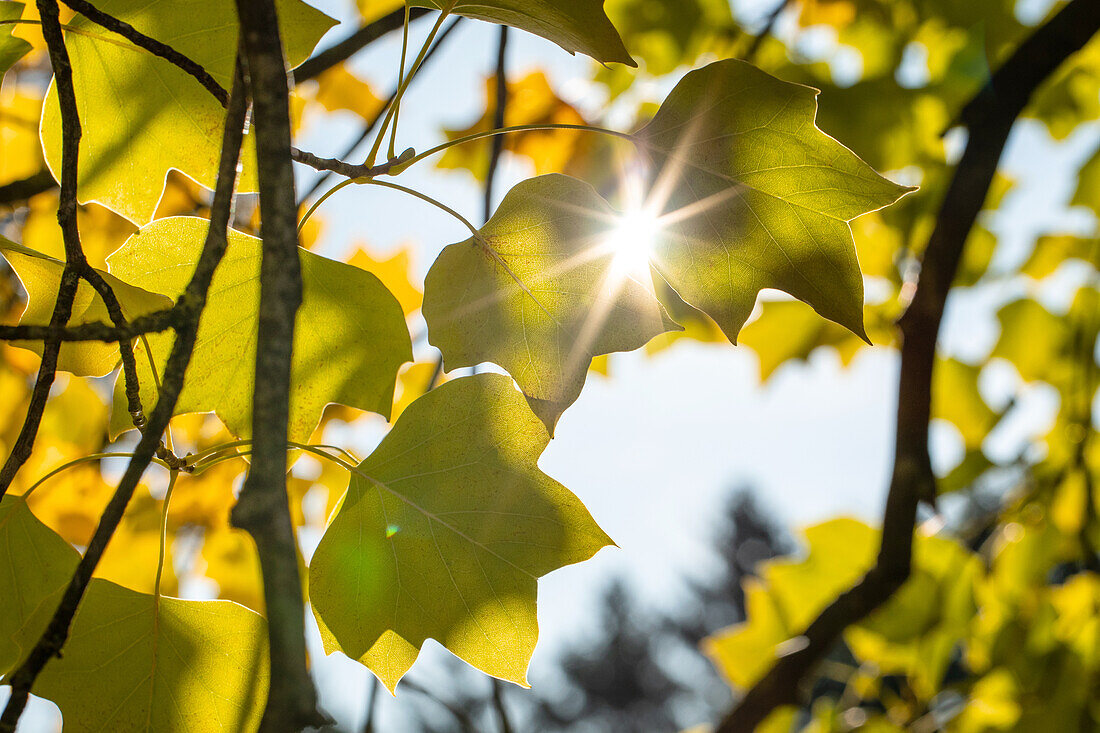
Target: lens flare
[631,244]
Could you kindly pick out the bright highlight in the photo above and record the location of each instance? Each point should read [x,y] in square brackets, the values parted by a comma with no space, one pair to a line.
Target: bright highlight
[631,244]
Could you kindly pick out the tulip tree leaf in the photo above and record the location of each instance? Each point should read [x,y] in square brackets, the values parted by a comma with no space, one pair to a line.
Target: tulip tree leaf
[41,277]
[144,116]
[448,536]
[350,335]
[540,292]
[578,26]
[756,196]
[35,567]
[135,662]
[11,48]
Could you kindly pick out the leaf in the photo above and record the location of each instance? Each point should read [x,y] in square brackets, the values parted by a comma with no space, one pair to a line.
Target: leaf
[19,148]
[578,26]
[41,277]
[350,336]
[339,89]
[957,399]
[447,537]
[35,567]
[393,271]
[791,592]
[1033,339]
[11,48]
[1052,250]
[150,116]
[133,663]
[755,196]
[540,291]
[531,101]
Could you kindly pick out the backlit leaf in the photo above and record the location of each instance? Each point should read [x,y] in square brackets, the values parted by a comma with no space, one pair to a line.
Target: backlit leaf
[150,116]
[41,277]
[756,196]
[448,536]
[540,291]
[35,567]
[578,26]
[133,662]
[11,49]
[349,340]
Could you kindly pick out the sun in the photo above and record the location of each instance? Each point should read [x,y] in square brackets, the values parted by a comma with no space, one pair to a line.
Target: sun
[632,242]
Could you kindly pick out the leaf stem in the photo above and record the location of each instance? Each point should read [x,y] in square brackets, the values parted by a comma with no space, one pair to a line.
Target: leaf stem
[404,85]
[423,197]
[82,460]
[164,533]
[518,128]
[400,80]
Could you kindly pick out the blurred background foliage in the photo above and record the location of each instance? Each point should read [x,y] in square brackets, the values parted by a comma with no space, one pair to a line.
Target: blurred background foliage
[999,627]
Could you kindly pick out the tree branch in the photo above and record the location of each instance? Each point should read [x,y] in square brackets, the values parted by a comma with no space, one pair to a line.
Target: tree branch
[191,304]
[990,118]
[497,142]
[154,322]
[74,256]
[263,508]
[321,62]
[26,188]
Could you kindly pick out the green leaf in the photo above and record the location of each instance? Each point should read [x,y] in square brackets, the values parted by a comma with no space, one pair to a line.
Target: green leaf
[142,115]
[447,536]
[755,196]
[575,25]
[135,662]
[957,399]
[540,291]
[1033,339]
[41,277]
[350,335]
[1052,250]
[35,567]
[11,48]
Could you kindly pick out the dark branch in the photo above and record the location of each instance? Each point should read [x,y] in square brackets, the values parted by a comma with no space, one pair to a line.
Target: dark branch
[769,25]
[153,46]
[191,303]
[74,256]
[991,119]
[26,188]
[97,331]
[497,142]
[360,39]
[263,509]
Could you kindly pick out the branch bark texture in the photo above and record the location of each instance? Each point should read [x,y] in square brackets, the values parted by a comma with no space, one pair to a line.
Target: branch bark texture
[263,508]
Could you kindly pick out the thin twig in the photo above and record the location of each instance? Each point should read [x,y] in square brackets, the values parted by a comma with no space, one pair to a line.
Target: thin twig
[322,61]
[154,322]
[501,78]
[992,118]
[203,77]
[26,188]
[327,173]
[263,509]
[153,46]
[766,31]
[192,303]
